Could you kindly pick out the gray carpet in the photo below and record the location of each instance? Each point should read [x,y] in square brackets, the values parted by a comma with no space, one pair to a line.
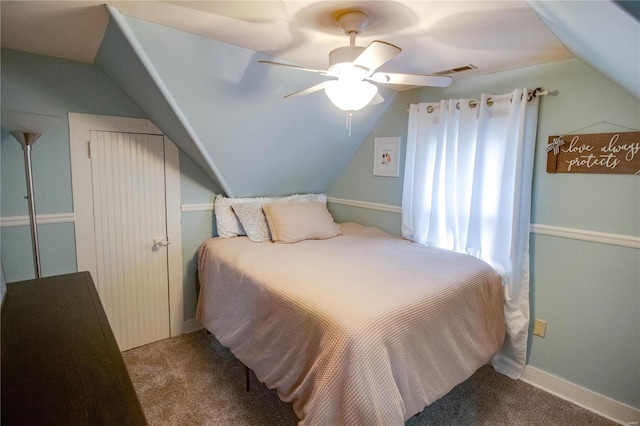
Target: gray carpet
[193,380]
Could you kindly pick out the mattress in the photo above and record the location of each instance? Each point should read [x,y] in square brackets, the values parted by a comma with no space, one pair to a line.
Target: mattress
[362,329]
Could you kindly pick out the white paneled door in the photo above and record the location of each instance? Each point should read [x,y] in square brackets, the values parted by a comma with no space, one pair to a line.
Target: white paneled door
[128,188]
[126,197]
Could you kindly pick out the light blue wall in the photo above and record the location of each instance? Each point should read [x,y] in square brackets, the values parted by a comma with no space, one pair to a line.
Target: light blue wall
[234,109]
[44,85]
[378,189]
[195,188]
[57,251]
[589,293]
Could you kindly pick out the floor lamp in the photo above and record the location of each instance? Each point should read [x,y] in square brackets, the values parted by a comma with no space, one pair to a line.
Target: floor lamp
[27,128]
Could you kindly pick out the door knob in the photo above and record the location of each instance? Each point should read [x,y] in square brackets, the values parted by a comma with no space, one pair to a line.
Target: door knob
[160,242]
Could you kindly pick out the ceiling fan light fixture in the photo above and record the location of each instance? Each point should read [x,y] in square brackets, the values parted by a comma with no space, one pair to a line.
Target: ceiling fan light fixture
[350,95]
[346,70]
[354,67]
[344,55]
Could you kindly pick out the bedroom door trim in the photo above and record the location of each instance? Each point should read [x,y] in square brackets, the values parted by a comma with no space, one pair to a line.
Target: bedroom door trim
[80,126]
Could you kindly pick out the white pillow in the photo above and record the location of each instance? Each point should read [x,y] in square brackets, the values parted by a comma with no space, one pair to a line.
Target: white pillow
[294,222]
[253,221]
[228,224]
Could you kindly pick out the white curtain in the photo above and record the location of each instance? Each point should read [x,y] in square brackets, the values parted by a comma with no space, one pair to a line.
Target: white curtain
[467,188]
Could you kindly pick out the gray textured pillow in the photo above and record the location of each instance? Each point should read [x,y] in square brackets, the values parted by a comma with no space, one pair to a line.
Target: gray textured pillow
[253,221]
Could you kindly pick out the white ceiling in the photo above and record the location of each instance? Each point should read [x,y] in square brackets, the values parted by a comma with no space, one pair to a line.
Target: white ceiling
[434,35]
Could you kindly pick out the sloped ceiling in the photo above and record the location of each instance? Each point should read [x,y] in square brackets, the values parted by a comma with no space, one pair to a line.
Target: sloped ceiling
[600,33]
[434,34]
[191,66]
[226,111]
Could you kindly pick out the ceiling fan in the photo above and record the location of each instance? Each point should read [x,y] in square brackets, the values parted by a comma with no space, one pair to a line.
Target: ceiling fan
[354,67]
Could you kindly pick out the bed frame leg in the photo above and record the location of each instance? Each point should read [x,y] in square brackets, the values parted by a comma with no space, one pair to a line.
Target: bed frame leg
[246,375]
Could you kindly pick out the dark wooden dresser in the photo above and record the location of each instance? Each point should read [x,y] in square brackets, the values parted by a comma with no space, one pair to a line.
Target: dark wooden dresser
[60,361]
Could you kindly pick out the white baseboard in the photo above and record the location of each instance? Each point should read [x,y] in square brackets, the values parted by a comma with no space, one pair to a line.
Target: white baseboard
[599,404]
[191,325]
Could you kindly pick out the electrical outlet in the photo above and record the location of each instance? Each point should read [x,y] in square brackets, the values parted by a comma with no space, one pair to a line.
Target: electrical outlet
[539,327]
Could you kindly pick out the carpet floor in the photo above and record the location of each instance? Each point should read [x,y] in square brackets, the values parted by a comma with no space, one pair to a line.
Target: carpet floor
[194,380]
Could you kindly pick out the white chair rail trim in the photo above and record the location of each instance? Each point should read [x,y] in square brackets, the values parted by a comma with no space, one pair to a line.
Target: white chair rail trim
[585,235]
[204,207]
[41,219]
[630,241]
[365,205]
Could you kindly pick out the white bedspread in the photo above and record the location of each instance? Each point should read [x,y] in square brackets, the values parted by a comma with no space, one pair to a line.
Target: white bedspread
[361,329]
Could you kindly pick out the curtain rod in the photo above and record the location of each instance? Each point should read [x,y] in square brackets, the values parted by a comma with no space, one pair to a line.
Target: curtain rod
[474,102]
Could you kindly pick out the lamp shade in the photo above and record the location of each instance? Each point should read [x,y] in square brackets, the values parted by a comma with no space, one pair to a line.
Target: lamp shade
[350,95]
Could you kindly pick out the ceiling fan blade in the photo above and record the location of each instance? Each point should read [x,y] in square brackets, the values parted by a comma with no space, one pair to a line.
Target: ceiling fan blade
[306,91]
[411,79]
[296,67]
[376,54]
[377,99]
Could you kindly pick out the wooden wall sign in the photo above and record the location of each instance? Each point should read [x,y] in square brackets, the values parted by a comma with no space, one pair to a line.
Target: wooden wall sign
[594,153]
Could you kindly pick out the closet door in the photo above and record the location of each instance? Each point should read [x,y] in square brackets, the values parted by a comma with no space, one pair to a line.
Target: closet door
[130,228]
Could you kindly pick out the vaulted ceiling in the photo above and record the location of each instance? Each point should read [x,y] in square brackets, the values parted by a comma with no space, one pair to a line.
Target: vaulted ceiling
[435,35]
[191,66]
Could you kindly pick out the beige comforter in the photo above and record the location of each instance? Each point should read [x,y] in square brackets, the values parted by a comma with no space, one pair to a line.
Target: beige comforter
[361,329]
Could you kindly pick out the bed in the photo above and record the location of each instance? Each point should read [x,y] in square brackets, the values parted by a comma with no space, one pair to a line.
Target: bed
[361,329]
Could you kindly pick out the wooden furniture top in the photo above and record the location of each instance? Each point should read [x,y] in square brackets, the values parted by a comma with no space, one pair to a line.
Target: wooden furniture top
[60,361]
